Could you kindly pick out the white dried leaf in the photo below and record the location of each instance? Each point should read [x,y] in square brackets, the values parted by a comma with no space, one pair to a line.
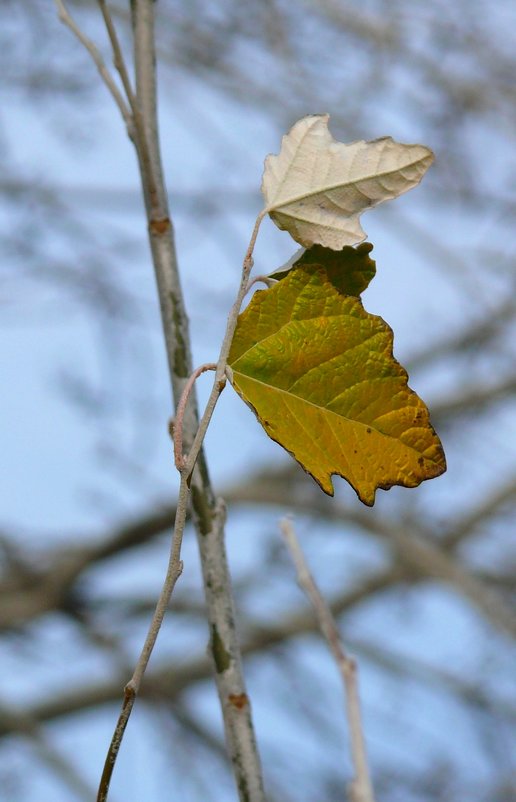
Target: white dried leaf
[316,188]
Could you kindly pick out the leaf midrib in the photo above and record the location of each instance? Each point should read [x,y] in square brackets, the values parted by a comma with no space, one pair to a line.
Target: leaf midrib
[271,387]
[310,194]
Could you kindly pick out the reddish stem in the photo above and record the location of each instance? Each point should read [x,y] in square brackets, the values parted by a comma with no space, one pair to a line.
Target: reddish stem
[179,457]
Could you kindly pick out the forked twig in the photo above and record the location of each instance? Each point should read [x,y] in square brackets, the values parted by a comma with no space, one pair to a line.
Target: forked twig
[67,19]
[360,788]
[139,136]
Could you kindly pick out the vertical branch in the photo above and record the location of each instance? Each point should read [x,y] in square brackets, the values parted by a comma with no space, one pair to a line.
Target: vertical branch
[160,229]
[140,116]
[207,512]
[360,789]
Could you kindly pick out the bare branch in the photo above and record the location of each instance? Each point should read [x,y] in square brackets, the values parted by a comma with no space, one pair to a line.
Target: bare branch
[426,556]
[482,512]
[361,789]
[417,551]
[209,515]
[67,19]
[132,688]
[239,730]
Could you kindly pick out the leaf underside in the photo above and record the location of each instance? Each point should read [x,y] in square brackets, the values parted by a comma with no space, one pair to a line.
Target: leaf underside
[316,188]
[319,373]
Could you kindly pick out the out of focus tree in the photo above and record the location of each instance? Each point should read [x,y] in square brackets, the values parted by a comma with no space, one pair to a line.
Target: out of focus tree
[423,584]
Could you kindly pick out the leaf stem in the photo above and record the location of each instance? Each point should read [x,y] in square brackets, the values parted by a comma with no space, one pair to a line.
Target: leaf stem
[179,458]
[267,280]
[222,367]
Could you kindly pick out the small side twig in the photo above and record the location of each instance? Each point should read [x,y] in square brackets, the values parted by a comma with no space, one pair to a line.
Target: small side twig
[179,458]
[267,280]
[138,132]
[118,59]
[360,789]
[67,19]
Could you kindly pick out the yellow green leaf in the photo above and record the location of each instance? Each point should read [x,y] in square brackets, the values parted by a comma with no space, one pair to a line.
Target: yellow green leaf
[319,373]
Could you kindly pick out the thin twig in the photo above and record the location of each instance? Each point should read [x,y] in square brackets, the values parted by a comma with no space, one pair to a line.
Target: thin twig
[157,211]
[67,19]
[360,789]
[222,366]
[179,457]
[267,280]
[132,688]
[118,58]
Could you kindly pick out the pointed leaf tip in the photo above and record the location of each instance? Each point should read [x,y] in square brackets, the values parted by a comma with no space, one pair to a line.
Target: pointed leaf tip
[316,188]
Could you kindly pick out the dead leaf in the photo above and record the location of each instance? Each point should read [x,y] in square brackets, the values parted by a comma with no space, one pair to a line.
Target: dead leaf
[316,188]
